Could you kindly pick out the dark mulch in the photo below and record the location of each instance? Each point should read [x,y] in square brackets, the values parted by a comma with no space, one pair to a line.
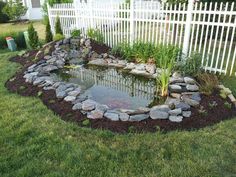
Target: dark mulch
[100,48]
[18,85]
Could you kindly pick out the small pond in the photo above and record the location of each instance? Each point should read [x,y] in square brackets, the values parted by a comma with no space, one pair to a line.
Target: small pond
[113,87]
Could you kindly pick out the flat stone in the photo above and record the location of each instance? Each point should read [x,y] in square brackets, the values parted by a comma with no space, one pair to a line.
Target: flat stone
[189,80]
[176,75]
[163,108]
[130,66]
[96,114]
[174,80]
[102,107]
[139,72]
[112,116]
[192,87]
[138,117]
[61,94]
[77,106]
[187,114]
[175,112]
[49,68]
[75,92]
[140,67]
[88,105]
[157,114]
[124,117]
[151,68]
[69,98]
[101,62]
[175,88]
[183,106]
[191,102]
[176,118]
[175,95]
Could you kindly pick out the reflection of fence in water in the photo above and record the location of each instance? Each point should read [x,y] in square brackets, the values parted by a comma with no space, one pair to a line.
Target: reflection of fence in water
[110,78]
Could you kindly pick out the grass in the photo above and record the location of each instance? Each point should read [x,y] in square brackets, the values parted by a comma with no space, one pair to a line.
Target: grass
[36,142]
[10,27]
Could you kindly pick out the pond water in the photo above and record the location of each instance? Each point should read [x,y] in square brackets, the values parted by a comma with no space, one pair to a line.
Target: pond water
[110,86]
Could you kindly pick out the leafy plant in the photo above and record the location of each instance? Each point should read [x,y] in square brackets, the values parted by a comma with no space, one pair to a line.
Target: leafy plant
[76,33]
[163,81]
[3,16]
[33,36]
[202,111]
[96,35]
[15,9]
[58,29]
[49,36]
[86,122]
[208,82]
[213,105]
[58,37]
[227,105]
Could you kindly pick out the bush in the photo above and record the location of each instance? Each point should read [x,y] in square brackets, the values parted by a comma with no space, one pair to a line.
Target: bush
[208,82]
[58,29]
[15,9]
[17,36]
[76,33]
[49,36]
[96,35]
[58,37]
[3,17]
[33,36]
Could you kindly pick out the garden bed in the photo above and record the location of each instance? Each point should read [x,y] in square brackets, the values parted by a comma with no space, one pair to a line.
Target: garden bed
[206,116]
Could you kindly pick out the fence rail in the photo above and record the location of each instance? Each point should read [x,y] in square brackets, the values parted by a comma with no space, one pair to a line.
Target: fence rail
[205,28]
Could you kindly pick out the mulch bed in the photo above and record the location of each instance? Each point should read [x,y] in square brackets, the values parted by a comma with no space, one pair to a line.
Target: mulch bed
[62,108]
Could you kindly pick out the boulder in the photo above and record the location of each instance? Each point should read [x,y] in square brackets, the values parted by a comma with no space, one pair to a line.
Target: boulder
[176,118]
[175,112]
[157,114]
[61,94]
[101,62]
[183,106]
[77,106]
[175,88]
[164,108]
[190,102]
[112,116]
[96,114]
[193,88]
[174,80]
[189,80]
[186,113]
[69,98]
[138,117]
[124,116]
[151,68]
[88,105]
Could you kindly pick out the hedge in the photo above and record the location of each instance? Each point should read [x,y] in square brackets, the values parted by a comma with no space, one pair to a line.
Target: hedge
[17,36]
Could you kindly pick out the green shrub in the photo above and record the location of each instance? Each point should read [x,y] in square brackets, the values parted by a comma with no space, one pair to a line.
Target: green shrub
[49,36]
[58,37]
[17,36]
[15,9]
[3,17]
[96,35]
[58,28]
[33,36]
[76,33]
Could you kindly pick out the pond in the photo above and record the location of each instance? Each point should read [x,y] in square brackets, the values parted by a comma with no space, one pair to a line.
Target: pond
[113,87]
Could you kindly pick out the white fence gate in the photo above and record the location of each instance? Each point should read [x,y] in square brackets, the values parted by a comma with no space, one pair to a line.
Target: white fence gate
[205,28]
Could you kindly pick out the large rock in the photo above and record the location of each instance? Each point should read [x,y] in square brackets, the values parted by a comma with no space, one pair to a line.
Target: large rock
[77,106]
[88,105]
[49,68]
[69,98]
[176,118]
[130,66]
[190,102]
[175,88]
[183,106]
[112,116]
[96,114]
[61,94]
[189,80]
[124,116]
[140,67]
[157,114]
[151,68]
[138,117]
[186,114]
[101,62]
[75,92]
[175,112]
[102,107]
[174,80]
[190,87]
[164,108]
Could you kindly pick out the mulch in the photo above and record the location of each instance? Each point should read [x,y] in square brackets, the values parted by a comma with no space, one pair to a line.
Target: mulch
[62,108]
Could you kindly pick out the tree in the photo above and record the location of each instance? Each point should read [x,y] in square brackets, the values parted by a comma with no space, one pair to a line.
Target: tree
[49,36]
[58,29]
[33,36]
[15,9]
[3,17]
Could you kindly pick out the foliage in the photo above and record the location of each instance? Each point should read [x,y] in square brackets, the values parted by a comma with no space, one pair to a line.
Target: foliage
[202,111]
[3,17]
[76,33]
[96,35]
[191,65]
[17,36]
[208,82]
[49,36]
[227,105]
[15,9]
[58,28]
[213,104]
[58,37]
[33,37]
[86,122]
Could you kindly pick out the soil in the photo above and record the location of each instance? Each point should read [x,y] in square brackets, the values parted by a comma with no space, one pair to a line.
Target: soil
[62,108]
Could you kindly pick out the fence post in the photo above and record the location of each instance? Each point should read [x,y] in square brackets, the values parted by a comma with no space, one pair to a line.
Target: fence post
[132,22]
[91,14]
[50,18]
[188,28]
[76,14]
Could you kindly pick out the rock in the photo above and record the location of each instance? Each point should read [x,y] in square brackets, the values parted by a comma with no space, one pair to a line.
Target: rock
[75,92]
[61,94]
[176,75]
[122,62]
[138,117]
[105,55]
[192,87]
[174,80]
[49,68]
[176,118]
[170,101]
[88,105]
[144,109]
[189,80]
[183,106]
[47,57]
[190,102]
[77,106]
[157,114]
[124,117]
[151,68]
[175,95]
[87,43]
[96,114]
[139,72]
[164,108]
[69,98]
[140,67]
[112,116]
[175,88]
[130,66]
[186,113]
[175,112]
[51,60]
[101,107]
[100,62]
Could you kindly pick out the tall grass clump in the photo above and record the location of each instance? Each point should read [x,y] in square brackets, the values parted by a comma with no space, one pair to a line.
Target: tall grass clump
[96,35]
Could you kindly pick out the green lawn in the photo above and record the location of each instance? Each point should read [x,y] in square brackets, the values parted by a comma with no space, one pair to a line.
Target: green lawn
[35,142]
[10,27]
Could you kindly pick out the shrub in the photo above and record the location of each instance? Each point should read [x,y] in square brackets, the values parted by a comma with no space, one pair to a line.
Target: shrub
[33,36]
[58,37]
[76,33]
[95,34]
[208,82]
[15,9]
[58,29]
[17,36]
[3,17]
[49,36]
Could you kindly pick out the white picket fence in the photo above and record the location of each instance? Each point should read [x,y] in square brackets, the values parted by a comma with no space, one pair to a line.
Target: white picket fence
[205,28]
